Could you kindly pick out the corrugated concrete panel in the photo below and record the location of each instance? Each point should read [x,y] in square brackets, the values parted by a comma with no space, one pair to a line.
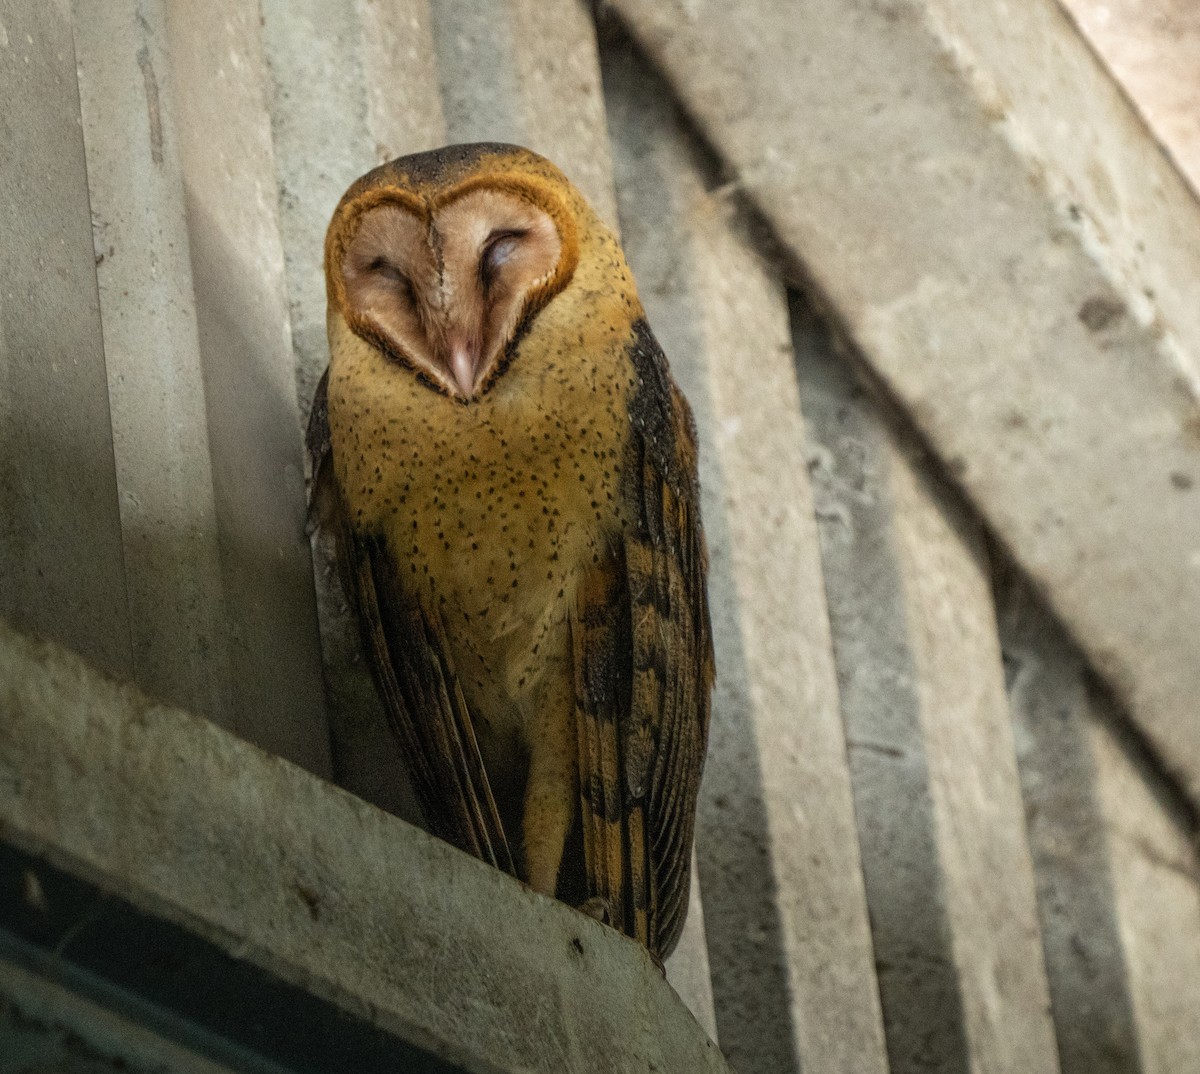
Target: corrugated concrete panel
[1053,715]
[214,53]
[973,782]
[785,910]
[61,566]
[152,354]
[849,449]
[937,797]
[1000,296]
[351,85]
[1153,47]
[318,888]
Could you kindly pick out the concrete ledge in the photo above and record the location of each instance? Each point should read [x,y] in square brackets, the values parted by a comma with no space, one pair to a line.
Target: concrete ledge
[315,887]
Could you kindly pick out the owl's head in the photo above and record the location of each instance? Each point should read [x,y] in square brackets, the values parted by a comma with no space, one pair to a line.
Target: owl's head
[442,259]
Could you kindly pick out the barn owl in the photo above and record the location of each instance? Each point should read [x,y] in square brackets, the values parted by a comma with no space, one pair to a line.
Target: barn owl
[510,473]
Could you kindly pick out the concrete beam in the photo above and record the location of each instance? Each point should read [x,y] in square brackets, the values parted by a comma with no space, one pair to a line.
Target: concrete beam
[152,356]
[315,888]
[61,568]
[788,932]
[937,797]
[1010,252]
[229,200]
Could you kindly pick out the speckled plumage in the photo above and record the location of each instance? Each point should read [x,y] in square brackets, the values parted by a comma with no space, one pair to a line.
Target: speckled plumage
[527,564]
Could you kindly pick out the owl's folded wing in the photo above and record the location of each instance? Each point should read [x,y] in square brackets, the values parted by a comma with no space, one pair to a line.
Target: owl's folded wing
[410,658]
[643,674]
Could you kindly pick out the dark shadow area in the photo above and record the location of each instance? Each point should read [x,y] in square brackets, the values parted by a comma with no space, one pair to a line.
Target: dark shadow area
[185,989]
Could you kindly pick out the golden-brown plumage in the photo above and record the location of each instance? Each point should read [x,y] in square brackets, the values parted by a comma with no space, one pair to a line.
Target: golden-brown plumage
[512,477]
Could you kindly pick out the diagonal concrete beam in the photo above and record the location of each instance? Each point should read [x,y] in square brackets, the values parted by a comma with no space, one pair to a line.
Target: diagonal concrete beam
[1012,254]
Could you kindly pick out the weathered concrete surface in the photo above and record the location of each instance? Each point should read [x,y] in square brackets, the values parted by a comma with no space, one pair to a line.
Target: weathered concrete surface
[937,799]
[973,784]
[995,282]
[1153,47]
[786,915]
[319,888]
[152,355]
[214,55]
[351,85]
[61,568]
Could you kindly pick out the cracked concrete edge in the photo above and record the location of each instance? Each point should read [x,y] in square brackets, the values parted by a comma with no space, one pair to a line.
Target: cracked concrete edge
[999,312]
[788,932]
[316,886]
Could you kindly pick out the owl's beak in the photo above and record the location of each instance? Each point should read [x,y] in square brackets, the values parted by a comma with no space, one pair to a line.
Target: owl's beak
[463,359]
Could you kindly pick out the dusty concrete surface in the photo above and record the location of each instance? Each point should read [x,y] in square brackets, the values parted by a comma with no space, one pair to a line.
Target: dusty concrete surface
[60,536]
[1029,299]
[318,887]
[152,357]
[786,916]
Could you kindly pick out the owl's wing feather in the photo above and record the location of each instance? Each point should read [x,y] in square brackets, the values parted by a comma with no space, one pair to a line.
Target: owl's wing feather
[410,657]
[640,809]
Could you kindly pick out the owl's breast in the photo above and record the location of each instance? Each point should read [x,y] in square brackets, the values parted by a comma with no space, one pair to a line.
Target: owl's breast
[493,509]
